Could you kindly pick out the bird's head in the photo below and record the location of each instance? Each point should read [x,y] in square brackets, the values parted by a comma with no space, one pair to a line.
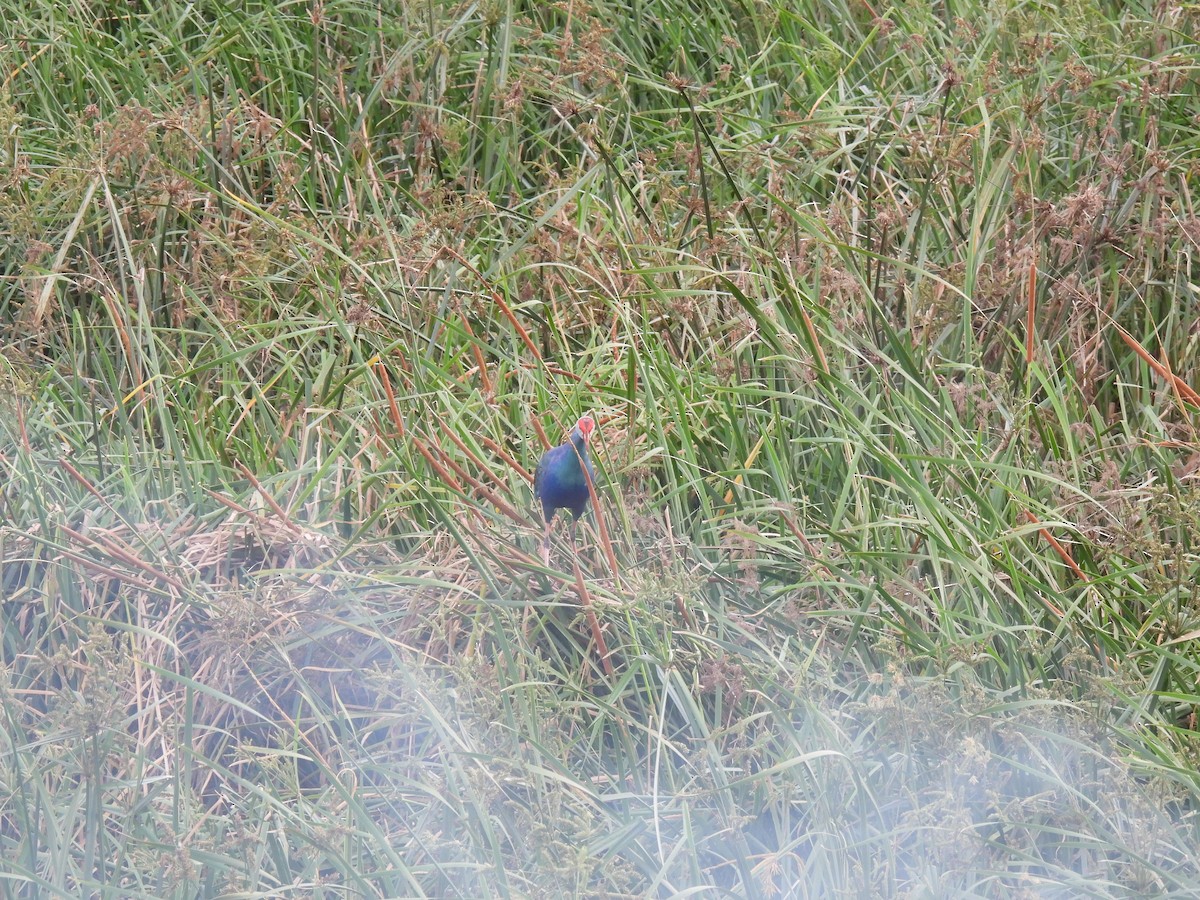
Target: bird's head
[585,426]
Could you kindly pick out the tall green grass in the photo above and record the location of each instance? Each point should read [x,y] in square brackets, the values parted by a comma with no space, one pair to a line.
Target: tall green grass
[891,326]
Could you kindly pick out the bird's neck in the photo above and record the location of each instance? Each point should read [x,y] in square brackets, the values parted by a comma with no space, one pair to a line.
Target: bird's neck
[580,456]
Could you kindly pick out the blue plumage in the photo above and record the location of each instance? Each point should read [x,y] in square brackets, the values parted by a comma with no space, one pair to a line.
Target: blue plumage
[560,482]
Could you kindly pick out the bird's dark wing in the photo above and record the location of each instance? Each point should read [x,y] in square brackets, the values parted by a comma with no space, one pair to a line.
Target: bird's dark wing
[543,482]
[539,475]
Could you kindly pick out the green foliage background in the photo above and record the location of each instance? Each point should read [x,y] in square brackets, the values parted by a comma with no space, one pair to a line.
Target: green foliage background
[890,319]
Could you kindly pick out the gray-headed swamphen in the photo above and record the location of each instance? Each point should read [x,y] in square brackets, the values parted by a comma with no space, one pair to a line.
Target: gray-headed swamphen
[561,479]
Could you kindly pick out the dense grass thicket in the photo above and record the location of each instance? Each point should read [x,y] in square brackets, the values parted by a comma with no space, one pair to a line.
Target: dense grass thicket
[890,319]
